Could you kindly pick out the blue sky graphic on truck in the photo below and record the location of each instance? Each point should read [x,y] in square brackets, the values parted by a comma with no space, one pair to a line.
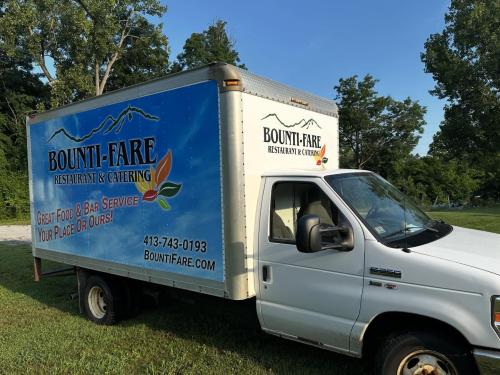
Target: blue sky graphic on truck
[150,188]
[96,173]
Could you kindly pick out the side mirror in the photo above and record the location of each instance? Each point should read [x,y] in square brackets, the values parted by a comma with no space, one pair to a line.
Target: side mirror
[309,238]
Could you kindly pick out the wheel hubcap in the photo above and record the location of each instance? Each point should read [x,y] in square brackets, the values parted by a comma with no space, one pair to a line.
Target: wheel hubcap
[425,362]
[97,304]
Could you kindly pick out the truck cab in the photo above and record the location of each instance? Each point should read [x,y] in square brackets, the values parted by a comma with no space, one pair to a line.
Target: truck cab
[346,262]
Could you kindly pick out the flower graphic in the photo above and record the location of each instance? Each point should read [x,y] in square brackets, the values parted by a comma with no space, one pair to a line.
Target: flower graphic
[320,157]
[155,189]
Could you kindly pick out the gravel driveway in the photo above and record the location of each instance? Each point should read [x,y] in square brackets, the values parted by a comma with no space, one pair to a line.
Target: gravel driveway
[15,233]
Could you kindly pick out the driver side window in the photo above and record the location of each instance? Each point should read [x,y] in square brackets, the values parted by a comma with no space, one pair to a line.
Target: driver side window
[292,200]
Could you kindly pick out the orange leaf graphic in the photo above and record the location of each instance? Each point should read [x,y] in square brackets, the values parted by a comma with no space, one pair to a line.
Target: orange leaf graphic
[163,167]
[322,152]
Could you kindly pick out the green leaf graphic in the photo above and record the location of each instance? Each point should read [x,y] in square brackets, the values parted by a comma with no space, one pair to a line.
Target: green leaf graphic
[163,204]
[169,189]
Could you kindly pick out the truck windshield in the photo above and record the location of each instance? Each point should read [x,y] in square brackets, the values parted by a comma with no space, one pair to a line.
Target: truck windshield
[387,212]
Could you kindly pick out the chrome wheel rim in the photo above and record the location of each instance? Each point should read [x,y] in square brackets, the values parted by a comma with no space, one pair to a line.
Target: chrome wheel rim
[426,362]
[97,304]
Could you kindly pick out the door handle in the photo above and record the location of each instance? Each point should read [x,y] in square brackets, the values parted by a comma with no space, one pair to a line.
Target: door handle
[265,273]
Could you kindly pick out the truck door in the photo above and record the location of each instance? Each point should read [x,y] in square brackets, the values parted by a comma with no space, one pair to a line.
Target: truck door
[311,297]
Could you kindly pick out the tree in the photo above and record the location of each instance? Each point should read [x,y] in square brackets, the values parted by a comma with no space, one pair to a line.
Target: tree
[375,130]
[464,61]
[432,180]
[85,40]
[21,92]
[208,46]
[145,57]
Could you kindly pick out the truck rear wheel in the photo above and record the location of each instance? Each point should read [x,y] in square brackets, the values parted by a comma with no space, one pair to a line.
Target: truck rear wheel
[101,300]
[422,353]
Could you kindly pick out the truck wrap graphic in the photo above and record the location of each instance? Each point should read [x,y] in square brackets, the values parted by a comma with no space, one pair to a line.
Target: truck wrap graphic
[292,142]
[95,174]
[155,189]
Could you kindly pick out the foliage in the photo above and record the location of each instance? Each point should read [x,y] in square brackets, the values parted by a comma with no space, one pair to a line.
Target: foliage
[86,39]
[20,93]
[14,195]
[430,180]
[375,130]
[145,57]
[464,60]
[208,46]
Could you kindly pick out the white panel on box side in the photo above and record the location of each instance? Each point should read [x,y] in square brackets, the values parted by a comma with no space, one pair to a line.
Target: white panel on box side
[279,136]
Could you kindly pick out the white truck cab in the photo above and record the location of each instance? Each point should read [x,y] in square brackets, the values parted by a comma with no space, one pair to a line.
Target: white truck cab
[346,262]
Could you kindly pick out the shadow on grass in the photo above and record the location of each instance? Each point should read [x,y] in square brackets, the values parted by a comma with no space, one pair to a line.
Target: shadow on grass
[16,275]
[226,326]
[233,326]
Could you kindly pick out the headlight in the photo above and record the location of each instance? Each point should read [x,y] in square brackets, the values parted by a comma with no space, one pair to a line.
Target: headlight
[495,316]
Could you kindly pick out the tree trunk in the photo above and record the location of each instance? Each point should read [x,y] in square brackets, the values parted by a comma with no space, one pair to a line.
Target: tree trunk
[97,80]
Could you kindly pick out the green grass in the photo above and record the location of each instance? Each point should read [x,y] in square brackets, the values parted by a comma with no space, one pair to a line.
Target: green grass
[15,221]
[476,218]
[41,330]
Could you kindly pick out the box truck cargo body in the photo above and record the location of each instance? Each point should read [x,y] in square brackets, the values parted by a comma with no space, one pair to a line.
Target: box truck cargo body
[160,181]
[224,183]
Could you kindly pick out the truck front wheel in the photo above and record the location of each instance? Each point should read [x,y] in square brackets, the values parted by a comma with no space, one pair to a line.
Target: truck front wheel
[101,300]
[422,353]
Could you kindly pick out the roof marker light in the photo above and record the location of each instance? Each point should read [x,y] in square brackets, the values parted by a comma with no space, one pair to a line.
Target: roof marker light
[299,101]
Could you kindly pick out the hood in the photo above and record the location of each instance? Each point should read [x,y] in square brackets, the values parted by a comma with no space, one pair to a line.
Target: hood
[471,247]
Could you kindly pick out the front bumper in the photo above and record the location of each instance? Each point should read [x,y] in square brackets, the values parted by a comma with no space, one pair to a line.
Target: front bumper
[488,361]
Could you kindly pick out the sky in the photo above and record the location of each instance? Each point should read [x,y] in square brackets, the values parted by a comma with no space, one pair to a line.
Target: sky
[311,44]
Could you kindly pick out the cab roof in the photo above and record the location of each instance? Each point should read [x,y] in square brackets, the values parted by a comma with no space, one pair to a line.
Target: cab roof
[309,172]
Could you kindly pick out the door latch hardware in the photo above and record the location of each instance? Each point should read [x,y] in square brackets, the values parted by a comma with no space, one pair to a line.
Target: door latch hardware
[265,273]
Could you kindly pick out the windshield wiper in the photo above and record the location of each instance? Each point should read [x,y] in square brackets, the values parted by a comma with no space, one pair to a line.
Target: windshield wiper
[404,230]
[430,225]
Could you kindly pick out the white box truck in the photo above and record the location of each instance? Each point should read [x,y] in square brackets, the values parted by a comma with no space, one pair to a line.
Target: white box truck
[221,182]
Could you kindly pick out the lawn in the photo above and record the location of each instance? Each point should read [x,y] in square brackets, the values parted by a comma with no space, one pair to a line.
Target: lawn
[15,221]
[476,218]
[41,330]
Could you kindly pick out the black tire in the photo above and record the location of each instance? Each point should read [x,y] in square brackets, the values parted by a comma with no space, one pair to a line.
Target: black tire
[102,300]
[413,350]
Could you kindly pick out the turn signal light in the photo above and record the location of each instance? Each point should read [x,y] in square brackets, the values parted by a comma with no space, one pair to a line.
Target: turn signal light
[231,82]
[495,316]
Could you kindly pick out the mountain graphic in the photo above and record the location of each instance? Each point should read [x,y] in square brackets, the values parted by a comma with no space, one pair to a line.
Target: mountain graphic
[302,123]
[108,124]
